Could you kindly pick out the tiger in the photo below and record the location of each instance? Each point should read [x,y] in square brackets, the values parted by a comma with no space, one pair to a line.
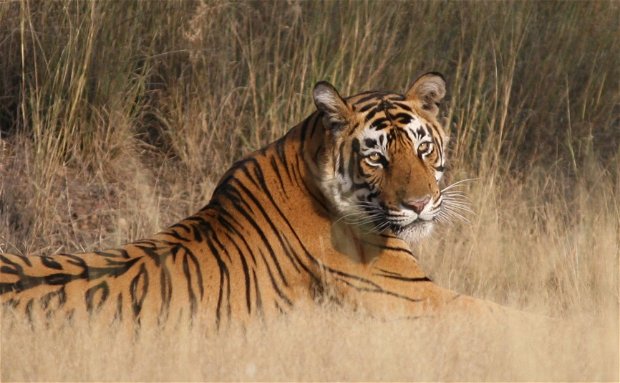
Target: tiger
[331,209]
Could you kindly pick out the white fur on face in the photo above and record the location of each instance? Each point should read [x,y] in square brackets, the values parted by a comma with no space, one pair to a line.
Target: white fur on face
[415,233]
[357,208]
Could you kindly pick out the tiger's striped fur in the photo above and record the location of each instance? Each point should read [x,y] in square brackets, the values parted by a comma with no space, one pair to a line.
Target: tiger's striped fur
[333,205]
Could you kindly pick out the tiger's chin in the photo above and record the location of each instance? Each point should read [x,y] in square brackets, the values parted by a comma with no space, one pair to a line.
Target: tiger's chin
[414,232]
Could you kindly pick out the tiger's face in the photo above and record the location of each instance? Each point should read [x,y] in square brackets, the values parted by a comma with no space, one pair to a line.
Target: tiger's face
[384,157]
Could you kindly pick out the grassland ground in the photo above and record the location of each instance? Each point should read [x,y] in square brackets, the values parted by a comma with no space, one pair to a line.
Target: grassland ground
[118,118]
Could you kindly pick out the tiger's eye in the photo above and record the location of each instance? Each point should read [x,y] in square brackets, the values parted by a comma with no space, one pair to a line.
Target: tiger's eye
[374,157]
[423,147]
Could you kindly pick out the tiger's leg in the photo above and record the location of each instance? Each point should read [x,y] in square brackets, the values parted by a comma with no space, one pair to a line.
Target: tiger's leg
[393,285]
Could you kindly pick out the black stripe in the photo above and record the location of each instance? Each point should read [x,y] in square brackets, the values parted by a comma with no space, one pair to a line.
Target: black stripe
[197,234]
[19,269]
[229,225]
[340,164]
[176,235]
[389,272]
[75,260]
[403,118]
[246,273]
[268,218]
[366,107]
[29,281]
[355,145]
[194,260]
[403,105]
[259,301]
[10,304]
[280,150]
[181,225]
[51,263]
[296,173]
[28,310]
[306,252]
[315,124]
[214,237]
[188,279]
[372,113]
[380,123]
[138,295]
[374,95]
[407,279]
[274,284]
[24,259]
[389,248]
[303,132]
[59,294]
[311,258]
[275,167]
[153,244]
[92,293]
[119,307]
[165,287]
[260,231]
[8,270]
[156,256]
[223,269]
[106,254]
[116,269]
[380,290]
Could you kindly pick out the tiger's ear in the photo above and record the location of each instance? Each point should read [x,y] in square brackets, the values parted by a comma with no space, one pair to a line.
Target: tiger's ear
[427,91]
[337,112]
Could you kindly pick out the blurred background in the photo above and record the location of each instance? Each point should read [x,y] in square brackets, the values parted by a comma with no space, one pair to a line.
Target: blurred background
[118,117]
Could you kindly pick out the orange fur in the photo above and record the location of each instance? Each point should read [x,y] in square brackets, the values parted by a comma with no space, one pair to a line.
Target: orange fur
[275,233]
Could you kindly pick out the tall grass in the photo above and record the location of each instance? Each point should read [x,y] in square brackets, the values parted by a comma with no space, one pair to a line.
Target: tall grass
[117,118]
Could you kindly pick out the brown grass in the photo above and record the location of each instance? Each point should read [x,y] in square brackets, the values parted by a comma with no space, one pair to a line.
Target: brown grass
[319,344]
[117,118]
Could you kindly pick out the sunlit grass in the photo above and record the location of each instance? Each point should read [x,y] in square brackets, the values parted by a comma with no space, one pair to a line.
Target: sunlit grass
[117,118]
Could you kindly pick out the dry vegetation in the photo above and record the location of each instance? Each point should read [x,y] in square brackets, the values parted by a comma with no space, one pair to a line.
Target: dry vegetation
[117,118]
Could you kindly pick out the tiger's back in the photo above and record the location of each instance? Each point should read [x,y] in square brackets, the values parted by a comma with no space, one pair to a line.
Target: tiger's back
[237,257]
[331,206]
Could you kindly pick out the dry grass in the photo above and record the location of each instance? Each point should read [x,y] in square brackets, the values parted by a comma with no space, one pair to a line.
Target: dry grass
[117,118]
[321,345]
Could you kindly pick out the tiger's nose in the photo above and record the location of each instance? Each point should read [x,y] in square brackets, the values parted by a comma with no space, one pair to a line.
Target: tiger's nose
[417,204]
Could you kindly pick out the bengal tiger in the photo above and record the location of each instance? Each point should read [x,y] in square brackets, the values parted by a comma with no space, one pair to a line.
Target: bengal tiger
[332,206]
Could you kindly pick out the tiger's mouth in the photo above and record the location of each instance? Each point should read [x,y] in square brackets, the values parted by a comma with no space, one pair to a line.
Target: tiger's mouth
[399,221]
[412,232]
[378,220]
[417,224]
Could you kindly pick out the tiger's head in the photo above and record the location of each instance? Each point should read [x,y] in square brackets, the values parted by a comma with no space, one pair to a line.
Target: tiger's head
[384,156]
